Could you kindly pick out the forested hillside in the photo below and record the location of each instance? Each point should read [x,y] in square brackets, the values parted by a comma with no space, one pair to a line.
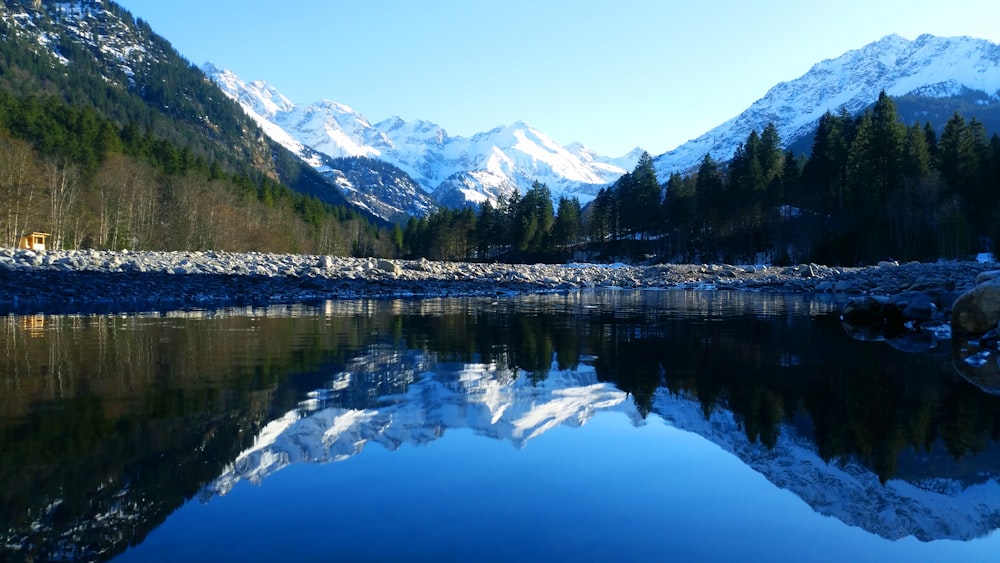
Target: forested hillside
[121,143]
[871,188]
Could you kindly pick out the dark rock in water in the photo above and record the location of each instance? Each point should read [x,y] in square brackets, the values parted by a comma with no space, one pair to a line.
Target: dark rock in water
[916,342]
[990,339]
[913,320]
[920,311]
[863,332]
[977,366]
[938,329]
[922,306]
[864,310]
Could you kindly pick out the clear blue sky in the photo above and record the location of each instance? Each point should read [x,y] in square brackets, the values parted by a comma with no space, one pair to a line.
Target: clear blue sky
[612,75]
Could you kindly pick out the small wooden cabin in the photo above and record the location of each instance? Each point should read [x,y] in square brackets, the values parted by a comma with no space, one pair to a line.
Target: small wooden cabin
[33,241]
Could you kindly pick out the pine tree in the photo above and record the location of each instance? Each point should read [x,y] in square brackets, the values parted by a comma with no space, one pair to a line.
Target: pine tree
[826,168]
[639,194]
[681,214]
[535,218]
[711,201]
[916,154]
[566,231]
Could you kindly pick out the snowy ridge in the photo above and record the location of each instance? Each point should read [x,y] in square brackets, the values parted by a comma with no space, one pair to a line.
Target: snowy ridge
[93,25]
[929,65]
[389,196]
[502,158]
[850,492]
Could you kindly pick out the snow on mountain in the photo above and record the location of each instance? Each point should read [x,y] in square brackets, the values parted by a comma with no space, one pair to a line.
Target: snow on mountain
[113,42]
[412,399]
[258,96]
[324,137]
[487,165]
[929,65]
[475,187]
[596,161]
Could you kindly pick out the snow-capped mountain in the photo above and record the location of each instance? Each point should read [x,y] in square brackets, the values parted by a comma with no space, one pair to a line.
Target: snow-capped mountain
[411,398]
[457,170]
[929,66]
[321,141]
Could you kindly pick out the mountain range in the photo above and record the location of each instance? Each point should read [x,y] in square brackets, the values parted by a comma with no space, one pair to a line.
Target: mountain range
[928,67]
[454,170]
[394,168]
[487,166]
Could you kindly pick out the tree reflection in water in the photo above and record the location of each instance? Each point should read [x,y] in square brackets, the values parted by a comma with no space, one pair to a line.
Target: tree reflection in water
[110,423]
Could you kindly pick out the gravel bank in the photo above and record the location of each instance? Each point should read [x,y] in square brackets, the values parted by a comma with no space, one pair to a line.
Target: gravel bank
[101,281]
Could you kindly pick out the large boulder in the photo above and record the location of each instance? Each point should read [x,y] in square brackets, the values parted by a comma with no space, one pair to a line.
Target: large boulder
[977,310]
[865,309]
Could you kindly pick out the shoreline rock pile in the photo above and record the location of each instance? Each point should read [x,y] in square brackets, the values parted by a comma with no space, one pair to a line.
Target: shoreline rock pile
[94,281]
[912,306]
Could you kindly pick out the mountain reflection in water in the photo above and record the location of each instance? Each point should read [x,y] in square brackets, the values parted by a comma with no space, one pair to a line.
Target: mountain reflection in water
[109,424]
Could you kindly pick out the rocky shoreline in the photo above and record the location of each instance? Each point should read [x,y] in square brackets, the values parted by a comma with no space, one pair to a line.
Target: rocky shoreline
[915,307]
[90,281]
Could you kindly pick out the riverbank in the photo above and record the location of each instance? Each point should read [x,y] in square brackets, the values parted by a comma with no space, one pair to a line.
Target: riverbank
[89,281]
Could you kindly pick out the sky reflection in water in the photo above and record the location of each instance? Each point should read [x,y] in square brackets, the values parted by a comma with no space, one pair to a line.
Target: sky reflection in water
[539,428]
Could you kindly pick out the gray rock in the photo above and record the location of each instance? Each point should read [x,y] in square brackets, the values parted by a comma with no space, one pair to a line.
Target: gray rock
[920,311]
[866,309]
[844,286]
[989,275]
[389,267]
[977,310]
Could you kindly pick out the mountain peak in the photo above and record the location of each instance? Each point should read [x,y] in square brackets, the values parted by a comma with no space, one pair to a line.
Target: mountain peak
[929,65]
[480,167]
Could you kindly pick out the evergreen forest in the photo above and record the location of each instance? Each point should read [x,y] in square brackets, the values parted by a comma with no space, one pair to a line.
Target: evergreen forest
[155,159]
[871,188]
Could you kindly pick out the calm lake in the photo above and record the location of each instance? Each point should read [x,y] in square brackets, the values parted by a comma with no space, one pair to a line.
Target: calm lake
[594,426]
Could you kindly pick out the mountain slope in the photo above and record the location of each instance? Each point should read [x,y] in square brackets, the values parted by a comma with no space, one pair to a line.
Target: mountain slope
[130,74]
[86,87]
[929,66]
[457,169]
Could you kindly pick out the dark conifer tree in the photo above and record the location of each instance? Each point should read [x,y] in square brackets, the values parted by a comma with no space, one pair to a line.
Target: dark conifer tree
[568,224]
[825,170]
[535,218]
[711,202]
[680,210]
[640,196]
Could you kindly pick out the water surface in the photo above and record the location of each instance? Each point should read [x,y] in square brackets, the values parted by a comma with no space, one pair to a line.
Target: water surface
[589,426]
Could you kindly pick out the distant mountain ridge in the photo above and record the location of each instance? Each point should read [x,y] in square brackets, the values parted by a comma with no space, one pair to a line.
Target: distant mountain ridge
[133,74]
[489,165]
[455,170]
[929,66]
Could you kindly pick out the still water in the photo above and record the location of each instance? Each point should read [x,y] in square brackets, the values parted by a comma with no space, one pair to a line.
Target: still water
[598,426]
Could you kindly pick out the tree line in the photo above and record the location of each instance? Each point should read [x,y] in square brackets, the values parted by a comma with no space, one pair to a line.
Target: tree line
[148,154]
[518,227]
[71,172]
[871,188]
